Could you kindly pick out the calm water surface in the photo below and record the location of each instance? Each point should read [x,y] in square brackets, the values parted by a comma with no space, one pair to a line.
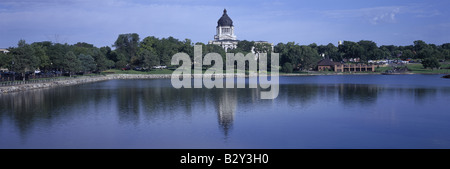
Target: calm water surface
[370,111]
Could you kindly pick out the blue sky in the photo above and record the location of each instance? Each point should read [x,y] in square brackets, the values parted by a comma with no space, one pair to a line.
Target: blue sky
[99,22]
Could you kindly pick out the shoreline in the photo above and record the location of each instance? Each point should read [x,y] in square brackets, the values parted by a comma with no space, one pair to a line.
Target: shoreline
[86,79]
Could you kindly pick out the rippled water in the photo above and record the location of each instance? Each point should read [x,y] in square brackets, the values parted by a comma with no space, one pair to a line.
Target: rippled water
[352,111]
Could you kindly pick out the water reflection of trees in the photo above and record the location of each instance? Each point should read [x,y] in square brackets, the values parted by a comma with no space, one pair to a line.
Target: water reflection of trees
[298,95]
[166,101]
[304,95]
[132,103]
[358,93]
[25,109]
[128,105]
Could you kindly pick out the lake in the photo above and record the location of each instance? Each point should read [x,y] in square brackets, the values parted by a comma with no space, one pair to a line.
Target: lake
[343,111]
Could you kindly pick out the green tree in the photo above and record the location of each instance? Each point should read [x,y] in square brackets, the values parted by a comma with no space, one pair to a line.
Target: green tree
[185,47]
[210,48]
[424,53]
[149,59]
[24,58]
[5,60]
[309,57]
[111,55]
[420,45]
[329,51]
[289,52]
[150,43]
[369,51]
[56,54]
[82,48]
[393,50]
[127,44]
[431,63]
[287,68]
[407,54]
[87,63]
[262,48]
[352,50]
[41,53]
[121,64]
[446,54]
[378,54]
[398,53]
[313,45]
[101,61]
[71,63]
[245,46]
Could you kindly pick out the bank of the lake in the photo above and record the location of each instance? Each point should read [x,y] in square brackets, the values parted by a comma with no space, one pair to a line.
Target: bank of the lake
[78,80]
[90,79]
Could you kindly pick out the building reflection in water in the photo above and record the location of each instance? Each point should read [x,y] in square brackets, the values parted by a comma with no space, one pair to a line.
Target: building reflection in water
[226,105]
[152,101]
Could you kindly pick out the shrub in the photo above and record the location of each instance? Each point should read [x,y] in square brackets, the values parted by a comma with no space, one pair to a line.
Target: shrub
[287,68]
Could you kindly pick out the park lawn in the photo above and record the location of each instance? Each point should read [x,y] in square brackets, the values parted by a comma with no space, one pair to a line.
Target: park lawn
[418,68]
[383,69]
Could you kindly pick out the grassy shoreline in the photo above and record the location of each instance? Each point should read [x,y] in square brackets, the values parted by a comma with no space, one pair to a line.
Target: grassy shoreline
[413,69]
[135,75]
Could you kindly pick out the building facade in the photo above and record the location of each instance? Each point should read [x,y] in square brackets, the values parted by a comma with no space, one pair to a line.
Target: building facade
[4,51]
[326,65]
[225,36]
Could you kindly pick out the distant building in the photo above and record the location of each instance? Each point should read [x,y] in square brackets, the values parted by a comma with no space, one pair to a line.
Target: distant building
[4,51]
[225,33]
[226,38]
[354,68]
[326,64]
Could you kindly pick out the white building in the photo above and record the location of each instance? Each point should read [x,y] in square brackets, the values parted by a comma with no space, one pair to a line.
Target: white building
[4,51]
[225,33]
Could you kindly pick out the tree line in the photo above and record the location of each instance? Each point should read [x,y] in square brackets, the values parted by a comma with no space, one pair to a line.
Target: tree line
[130,51]
[305,57]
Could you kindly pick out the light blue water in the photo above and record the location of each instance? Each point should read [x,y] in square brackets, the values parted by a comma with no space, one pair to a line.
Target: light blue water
[351,111]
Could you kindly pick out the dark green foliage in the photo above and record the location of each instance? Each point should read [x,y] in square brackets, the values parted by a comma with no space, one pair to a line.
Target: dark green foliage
[71,63]
[87,63]
[330,51]
[431,63]
[245,46]
[300,57]
[127,44]
[40,52]
[287,68]
[5,60]
[24,58]
[148,59]
[152,51]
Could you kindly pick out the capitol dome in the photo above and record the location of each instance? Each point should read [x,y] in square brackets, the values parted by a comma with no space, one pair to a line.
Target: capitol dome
[225,20]
[225,33]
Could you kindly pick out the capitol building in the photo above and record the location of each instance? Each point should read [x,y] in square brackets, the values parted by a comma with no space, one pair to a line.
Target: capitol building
[225,33]
[225,36]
